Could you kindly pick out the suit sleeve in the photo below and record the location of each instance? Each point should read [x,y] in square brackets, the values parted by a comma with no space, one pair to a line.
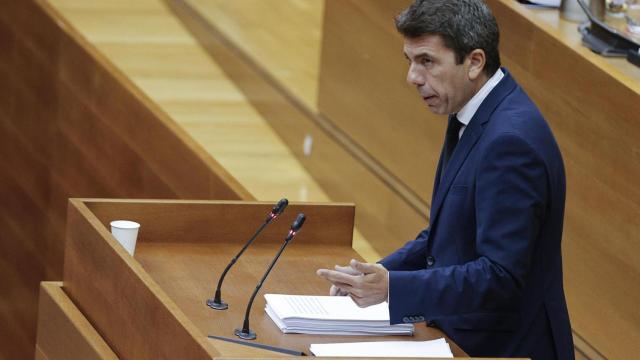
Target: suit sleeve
[412,256]
[511,198]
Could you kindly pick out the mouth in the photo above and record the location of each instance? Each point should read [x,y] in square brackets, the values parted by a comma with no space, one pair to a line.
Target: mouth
[429,99]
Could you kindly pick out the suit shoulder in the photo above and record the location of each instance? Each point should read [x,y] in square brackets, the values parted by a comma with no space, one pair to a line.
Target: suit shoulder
[518,115]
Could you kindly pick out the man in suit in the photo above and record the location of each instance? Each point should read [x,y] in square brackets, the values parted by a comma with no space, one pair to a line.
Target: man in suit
[488,268]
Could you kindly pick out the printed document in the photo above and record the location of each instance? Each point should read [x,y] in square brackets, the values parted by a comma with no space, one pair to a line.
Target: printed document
[395,349]
[336,315]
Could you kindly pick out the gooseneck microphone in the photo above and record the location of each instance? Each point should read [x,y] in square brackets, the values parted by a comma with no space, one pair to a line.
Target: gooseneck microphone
[216,302]
[246,333]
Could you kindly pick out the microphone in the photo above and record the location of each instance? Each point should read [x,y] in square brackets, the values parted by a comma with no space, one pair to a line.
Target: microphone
[246,333]
[217,303]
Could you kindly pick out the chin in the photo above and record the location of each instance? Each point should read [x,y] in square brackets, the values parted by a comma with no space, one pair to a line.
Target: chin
[438,111]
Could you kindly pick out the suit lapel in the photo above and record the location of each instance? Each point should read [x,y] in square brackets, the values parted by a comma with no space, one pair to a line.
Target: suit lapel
[470,137]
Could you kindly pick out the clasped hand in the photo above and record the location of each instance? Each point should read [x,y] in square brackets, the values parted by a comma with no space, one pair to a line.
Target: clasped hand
[367,284]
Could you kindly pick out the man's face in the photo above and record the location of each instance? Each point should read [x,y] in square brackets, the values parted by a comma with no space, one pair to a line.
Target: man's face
[444,85]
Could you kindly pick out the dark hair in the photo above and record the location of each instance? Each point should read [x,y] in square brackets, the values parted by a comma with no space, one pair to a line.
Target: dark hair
[464,25]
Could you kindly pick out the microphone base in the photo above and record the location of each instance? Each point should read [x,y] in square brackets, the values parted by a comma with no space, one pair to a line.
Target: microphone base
[212,303]
[249,335]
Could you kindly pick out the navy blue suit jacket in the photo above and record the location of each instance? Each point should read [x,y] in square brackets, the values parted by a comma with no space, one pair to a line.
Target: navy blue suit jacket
[488,269]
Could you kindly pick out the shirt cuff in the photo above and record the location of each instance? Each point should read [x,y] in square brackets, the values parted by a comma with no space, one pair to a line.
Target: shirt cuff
[388,286]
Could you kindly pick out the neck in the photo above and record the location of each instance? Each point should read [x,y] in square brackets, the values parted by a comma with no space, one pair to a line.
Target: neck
[471,89]
[479,83]
[474,88]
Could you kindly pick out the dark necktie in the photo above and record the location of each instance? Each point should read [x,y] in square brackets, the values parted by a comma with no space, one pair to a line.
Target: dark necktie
[450,141]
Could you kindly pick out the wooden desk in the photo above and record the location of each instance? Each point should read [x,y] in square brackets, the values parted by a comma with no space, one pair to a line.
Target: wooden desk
[63,331]
[153,305]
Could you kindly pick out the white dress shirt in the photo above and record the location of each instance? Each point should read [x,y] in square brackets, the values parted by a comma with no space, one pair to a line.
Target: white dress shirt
[469,109]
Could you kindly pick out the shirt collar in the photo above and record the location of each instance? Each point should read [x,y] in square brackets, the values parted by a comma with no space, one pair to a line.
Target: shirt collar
[469,109]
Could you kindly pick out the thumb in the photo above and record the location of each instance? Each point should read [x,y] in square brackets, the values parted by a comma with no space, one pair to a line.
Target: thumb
[364,268]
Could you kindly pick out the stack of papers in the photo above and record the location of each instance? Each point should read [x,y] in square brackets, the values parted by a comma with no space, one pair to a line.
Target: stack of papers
[394,349]
[541,3]
[330,315]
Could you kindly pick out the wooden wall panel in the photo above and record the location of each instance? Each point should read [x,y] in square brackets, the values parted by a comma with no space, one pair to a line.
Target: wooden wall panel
[364,93]
[325,223]
[339,165]
[72,125]
[27,249]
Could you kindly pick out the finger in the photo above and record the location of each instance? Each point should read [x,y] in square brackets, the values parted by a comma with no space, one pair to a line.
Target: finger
[347,270]
[341,292]
[356,299]
[324,273]
[359,292]
[334,291]
[338,277]
[365,268]
[363,302]
[343,286]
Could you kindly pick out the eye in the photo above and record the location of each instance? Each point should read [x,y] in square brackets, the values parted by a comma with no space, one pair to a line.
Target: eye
[425,60]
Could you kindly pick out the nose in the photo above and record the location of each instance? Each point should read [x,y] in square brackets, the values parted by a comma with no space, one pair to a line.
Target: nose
[414,77]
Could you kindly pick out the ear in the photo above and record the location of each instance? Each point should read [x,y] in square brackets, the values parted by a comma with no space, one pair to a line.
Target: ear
[477,60]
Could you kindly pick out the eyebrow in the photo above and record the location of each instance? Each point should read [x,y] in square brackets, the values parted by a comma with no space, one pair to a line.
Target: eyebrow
[419,55]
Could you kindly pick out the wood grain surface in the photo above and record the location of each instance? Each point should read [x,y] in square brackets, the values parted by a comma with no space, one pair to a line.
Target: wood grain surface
[138,304]
[63,331]
[73,125]
[364,93]
[188,274]
[339,165]
[120,299]
[224,221]
[289,50]
[590,102]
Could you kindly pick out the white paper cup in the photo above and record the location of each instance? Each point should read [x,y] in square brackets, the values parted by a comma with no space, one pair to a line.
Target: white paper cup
[126,232]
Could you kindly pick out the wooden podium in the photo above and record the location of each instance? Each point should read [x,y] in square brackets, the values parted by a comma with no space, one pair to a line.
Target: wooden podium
[152,305]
